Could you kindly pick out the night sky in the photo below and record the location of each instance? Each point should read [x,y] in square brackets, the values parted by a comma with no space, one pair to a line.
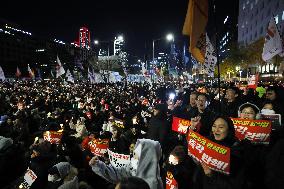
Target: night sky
[138,21]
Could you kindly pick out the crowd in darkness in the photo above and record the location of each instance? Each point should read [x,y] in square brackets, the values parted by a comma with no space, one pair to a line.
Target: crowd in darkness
[84,111]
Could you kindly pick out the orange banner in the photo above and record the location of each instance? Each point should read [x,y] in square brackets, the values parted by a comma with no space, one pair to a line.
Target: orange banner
[171,183]
[257,131]
[215,156]
[53,137]
[180,125]
[99,147]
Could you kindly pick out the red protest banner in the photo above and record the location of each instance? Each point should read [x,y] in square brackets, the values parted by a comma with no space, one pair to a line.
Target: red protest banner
[257,131]
[180,125]
[171,183]
[252,81]
[99,147]
[54,137]
[215,156]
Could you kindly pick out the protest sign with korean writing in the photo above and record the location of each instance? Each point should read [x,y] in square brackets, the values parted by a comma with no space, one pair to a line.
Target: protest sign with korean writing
[99,146]
[274,118]
[171,183]
[118,123]
[118,160]
[257,131]
[180,125]
[215,156]
[53,137]
[29,178]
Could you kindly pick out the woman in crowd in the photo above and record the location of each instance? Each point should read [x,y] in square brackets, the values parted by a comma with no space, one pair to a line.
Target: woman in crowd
[223,133]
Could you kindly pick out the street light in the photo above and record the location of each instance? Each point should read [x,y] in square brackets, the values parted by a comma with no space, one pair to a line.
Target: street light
[120,38]
[170,37]
[96,42]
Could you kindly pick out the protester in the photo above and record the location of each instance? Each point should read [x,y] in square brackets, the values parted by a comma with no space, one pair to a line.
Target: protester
[132,183]
[144,164]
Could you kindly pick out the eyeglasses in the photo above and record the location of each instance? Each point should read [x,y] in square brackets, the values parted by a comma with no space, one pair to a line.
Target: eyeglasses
[248,113]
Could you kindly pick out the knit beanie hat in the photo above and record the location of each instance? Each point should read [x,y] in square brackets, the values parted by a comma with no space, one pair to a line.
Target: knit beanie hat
[63,169]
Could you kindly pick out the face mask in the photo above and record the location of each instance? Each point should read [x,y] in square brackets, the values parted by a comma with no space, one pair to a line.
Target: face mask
[173,160]
[52,178]
[267,111]
[133,166]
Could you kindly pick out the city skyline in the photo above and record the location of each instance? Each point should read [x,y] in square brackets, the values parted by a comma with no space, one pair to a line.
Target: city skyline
[138,22]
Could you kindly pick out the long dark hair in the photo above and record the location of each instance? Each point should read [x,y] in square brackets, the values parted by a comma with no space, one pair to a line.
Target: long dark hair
[133,183]
[230,138]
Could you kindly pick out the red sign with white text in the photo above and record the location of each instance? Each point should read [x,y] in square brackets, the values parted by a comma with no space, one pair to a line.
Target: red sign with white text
[171,183]
[215,156]
[53,137]
[99,147]
[257,131]
[180,125]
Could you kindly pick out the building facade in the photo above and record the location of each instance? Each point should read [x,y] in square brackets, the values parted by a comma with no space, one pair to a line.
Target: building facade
[254,17]
[18,48]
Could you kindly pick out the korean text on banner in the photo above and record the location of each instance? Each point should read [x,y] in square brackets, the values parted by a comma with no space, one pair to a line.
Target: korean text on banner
[257,131]
[118,123]
[118,160]
[180,125]
[29,178]
[53,137]
[215,156]
[99,146]
[171,183]
[274,118]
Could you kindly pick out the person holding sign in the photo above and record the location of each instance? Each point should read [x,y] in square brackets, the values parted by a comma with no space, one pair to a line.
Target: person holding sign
[144,164]
[223,133]
[249,111]
[181,166]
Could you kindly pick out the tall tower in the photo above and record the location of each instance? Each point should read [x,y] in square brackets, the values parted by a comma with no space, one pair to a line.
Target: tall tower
[84,38]
[118,45]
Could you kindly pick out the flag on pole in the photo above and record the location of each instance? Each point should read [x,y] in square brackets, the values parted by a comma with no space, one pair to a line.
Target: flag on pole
[194,26]
[282,53]
[2,75]
[59,68]
[210,58]
[69,76]
[18,72]
[31,73]
[144,70]
[273,44]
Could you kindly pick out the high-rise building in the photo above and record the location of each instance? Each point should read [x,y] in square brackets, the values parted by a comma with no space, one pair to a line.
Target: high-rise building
[162,59]
[118,45]
[254,16]
[84,38]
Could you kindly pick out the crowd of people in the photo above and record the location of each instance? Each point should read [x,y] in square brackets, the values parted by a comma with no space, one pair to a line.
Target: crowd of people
[83,112]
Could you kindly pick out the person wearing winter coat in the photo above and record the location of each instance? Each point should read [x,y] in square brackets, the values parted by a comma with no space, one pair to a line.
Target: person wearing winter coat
[144,164]
[80,128]
[202,122]
[181,166]
[159,127]
[223,133]
[63,176]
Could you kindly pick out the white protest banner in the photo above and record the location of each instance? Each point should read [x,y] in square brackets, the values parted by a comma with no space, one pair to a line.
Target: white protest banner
[118,160]
[29,178]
